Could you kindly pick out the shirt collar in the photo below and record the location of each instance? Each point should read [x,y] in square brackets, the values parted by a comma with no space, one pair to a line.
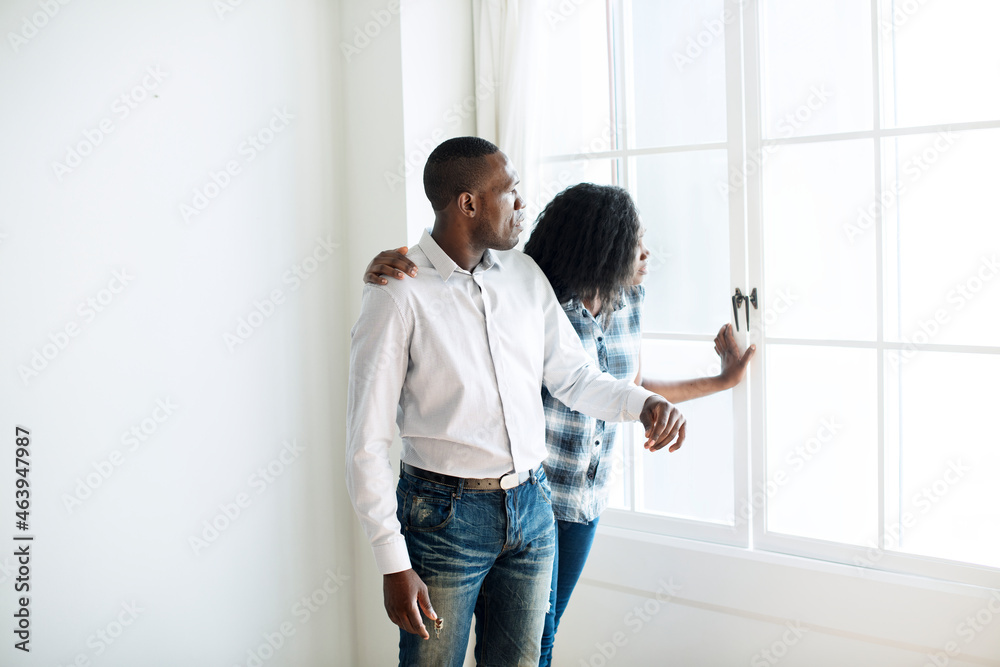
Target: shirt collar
[575,305]
[445,265]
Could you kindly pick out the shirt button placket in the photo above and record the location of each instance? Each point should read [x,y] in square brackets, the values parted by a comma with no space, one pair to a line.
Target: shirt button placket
[495,352]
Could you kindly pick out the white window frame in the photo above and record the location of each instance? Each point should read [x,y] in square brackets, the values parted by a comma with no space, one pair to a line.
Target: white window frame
[623,118]
[764,540]
[744,137]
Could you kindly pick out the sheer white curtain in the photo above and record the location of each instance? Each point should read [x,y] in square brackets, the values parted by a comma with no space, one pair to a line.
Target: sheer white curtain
[508,51]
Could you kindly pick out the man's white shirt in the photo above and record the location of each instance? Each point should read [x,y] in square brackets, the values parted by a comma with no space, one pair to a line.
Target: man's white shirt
[457,361]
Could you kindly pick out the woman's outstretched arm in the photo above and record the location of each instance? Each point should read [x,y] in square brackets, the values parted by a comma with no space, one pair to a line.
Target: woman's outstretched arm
[734,366]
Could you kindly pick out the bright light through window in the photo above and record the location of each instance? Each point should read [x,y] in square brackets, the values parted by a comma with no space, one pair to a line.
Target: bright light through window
[847,170]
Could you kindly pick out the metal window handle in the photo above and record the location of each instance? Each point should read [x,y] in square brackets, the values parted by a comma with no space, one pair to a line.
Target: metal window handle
[738,300]
[753,302]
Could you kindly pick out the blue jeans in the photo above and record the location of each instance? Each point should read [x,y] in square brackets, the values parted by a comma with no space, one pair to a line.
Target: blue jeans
[573,542]
[487,553]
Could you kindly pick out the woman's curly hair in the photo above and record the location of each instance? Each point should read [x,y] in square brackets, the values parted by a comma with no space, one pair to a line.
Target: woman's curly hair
[585,241]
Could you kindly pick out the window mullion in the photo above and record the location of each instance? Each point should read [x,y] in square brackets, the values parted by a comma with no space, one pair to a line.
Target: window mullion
[748,206]
[879,292]
[625,91]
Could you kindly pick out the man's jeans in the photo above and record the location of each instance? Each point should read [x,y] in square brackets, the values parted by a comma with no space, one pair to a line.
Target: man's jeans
[483,552]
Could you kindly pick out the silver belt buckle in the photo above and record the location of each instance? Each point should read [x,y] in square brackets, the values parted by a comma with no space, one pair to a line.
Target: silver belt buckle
[509,481]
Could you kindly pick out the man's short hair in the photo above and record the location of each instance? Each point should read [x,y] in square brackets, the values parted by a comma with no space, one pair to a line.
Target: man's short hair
[457,165]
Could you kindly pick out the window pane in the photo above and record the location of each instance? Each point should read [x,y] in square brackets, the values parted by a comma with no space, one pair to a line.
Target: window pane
[816,67]
[942,238]
[821,443]
[942,61]
[616,476]
[949,468]
[819,279]
[575,79]
[687,232]
[557,176]
[680,71]
[696,481]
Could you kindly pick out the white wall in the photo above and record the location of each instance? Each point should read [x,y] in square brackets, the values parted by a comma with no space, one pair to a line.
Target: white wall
[400,97]
[160,336]
[439,93]
[373,217]
[647,600]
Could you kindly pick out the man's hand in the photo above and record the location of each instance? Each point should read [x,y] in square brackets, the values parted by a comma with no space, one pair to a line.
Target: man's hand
[663,422]
[402,592]
[734,365]
[390,263]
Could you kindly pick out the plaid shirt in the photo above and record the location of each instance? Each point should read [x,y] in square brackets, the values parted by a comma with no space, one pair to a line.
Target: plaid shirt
[580,447]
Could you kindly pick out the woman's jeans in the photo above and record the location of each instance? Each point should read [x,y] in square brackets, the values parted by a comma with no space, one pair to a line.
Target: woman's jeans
[483,552]
[573,542]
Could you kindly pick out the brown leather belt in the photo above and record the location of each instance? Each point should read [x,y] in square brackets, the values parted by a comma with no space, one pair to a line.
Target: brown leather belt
[508,481]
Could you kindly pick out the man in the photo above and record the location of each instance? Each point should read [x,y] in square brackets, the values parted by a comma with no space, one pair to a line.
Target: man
[457,356]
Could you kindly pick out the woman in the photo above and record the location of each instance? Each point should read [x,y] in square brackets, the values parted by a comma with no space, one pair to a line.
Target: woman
[588,242]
